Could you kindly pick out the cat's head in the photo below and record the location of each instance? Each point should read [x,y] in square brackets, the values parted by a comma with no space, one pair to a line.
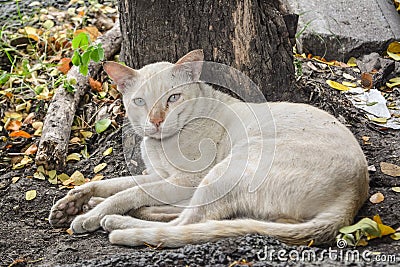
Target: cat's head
[159,97]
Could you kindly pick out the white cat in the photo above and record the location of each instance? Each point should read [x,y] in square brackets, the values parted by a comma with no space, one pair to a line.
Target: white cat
[281,169]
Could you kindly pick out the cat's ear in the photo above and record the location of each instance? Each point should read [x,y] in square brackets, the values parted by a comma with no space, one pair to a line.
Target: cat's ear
[120,74]
[192,62]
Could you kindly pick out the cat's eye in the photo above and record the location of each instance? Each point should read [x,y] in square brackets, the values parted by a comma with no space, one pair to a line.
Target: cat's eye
[173,98]
[139,101]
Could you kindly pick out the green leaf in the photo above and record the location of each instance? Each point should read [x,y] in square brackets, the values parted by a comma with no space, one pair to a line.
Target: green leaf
[84,69]
[81,41]
[366,225]
[102,125]
[76,58]
[97,54]
[4,78]
[372,103]
[85,57]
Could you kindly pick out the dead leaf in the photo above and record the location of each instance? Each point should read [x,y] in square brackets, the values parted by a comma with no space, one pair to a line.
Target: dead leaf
[75,140]
[20,133]
[31,194]
[15,179]
[352,62]
[384,229]
[366,140]
[108,151]
[76,178]
[13,125]
[91,30]
[31,150]
[366,80]
[377,198]
[393,50]
[95,85]
[337,85]
[69,231]
[379,120]
[97,177]
[63,177]
[396,189]
[395,236]
[99,167]
[349,84]
[73,156]
[39,175]
[64,65]
[29,118]
[390,169]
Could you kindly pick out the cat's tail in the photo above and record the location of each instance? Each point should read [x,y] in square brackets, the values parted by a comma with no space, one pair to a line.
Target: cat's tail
[317,229]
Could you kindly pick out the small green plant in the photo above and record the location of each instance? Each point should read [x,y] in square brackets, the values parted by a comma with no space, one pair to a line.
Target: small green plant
[84,51]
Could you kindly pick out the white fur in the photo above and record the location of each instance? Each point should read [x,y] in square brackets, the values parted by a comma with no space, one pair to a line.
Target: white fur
[281,169]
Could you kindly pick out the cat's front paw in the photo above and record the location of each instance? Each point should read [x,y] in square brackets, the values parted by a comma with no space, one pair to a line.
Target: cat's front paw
[63,212]
[85,223]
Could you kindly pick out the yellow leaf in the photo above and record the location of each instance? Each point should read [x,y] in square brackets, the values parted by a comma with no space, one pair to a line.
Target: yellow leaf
[31,194]
[63,177]
[99,167]
[97,177]
[395,80]
[108,151]
[69,231]
[384,229]
[390,85]
[377,198]
[337,85]
[75,140]
[377,219]
[78,178]
[396,189]
[39,175]
[379,120]
[349,84]
[352,62]
[394,56]
[395,236]
[390,169]
[15,179]
[73,156]
[86,134]
[394,47]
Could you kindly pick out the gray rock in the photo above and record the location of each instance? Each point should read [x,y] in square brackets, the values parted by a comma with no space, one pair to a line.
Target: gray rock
[343,28]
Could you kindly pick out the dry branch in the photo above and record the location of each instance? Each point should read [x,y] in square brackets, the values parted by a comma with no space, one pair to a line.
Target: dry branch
[53,144]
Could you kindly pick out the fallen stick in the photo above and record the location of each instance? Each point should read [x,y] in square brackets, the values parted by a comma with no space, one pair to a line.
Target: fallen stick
[53,145]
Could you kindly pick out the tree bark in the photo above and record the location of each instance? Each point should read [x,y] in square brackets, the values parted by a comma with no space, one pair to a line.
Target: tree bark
[53,145]
[252,36]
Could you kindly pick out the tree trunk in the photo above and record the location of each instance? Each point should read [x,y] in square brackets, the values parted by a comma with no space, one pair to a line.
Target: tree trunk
[251,36]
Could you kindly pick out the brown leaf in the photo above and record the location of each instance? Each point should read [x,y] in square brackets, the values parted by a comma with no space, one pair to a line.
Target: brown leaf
[377,198]
[390,169]
[31,150]
[64,65]
[91,30]
[20,133]
[366,80]
[95,85]
[13,126]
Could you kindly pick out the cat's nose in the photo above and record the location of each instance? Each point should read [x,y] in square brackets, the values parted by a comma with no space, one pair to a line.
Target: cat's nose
[156,121]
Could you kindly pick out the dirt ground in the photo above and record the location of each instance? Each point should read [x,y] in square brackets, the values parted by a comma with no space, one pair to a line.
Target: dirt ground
[26,237]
